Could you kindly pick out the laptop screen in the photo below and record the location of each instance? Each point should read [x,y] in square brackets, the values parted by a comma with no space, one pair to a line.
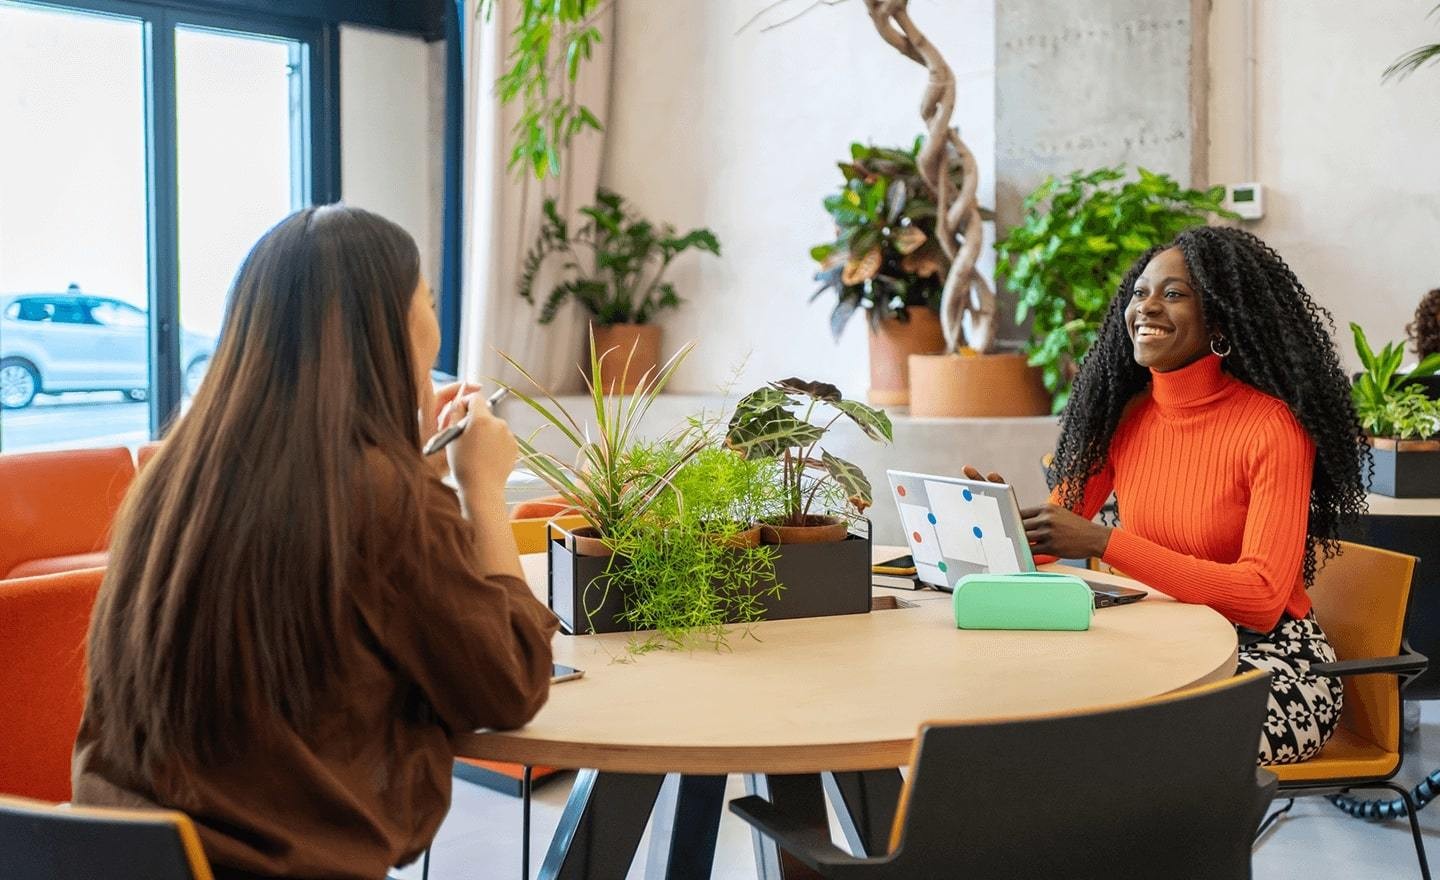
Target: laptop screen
[957,527]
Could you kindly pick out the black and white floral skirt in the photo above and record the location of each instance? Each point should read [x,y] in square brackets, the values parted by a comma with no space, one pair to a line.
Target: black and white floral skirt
[1303,708]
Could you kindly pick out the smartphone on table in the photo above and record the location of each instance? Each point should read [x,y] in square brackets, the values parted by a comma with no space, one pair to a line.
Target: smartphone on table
[560,672]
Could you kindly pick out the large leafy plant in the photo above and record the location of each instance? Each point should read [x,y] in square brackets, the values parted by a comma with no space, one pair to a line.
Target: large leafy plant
[885,257]
[1386,404]
[602,482]
[552,39]
[1066,258]
[615,261]
[775,422]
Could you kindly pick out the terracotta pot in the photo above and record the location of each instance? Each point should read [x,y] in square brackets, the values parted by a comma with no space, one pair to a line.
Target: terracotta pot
[976,386]
[586,541]
[817,530]
[892,342]
[746,540]
[639,343]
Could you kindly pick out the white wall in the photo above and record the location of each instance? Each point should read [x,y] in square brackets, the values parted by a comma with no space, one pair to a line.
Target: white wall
[742,133]
[1352,185]
[391,149]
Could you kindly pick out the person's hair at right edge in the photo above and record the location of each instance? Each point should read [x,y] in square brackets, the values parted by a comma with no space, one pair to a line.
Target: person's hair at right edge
[1424,331]
[1281,343]
[224,594]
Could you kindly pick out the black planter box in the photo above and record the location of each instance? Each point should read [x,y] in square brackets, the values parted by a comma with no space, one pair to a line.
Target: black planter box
[818,580]
[1405,474]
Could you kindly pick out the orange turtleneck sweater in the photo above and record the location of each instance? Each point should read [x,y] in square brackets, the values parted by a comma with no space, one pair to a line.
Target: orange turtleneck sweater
[1213,481]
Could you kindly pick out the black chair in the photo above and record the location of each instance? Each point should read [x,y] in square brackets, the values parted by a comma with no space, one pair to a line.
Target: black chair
[39,841]
[1162,788]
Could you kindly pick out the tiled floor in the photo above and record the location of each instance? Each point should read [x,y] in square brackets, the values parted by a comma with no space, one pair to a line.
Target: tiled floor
[480,838]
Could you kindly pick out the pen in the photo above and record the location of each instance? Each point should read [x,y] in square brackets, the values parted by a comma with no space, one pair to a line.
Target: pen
[441,440]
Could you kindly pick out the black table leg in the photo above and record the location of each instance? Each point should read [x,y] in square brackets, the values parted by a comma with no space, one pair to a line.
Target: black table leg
[866,802]
[685,827]
[802,797]
[601,826]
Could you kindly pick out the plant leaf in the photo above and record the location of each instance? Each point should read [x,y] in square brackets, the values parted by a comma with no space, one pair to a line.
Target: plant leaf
[767,434]
[821,391]
[874,422]
[850,478]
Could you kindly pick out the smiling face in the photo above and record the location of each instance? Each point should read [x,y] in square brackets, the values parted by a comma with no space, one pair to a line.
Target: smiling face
[1164,316]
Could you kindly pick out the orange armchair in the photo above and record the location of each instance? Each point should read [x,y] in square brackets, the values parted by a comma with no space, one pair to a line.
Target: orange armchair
[43,624]
[56,508]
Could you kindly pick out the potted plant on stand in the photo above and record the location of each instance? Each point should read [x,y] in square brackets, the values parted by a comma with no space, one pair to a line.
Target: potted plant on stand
[768,424]
[1067,257]
[886,261]
[615,264]
[1401,419]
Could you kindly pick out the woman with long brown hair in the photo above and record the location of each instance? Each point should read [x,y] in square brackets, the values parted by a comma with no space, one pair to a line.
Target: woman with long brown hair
[298,613]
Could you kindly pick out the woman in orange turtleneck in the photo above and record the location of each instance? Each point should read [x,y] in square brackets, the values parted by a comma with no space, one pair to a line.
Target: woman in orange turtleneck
[1213,405]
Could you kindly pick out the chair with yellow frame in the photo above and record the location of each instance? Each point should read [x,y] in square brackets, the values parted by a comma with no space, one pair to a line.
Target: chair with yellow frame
[41,841]
[1362,599]
[1165,787]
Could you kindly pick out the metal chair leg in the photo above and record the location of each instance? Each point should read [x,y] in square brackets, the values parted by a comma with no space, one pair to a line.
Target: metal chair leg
[425,865]
[1412,813]
[526,787]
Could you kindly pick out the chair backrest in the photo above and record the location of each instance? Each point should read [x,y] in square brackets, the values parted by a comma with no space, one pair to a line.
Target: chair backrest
[43,624]
[1361,600]
[144,453]
[1160,788]
[530,532]
[43,842]
[59,503]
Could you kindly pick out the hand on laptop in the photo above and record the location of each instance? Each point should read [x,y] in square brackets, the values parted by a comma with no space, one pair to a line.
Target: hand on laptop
[972,473]
[1053,530]
[1056,531]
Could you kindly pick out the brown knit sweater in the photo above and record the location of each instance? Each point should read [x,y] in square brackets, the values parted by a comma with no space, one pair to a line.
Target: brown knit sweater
[366,785]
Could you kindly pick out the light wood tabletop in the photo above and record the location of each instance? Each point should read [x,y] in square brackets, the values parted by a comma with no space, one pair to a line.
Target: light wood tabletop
[848,692]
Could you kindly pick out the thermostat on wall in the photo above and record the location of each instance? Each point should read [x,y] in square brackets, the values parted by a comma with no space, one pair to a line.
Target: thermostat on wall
[1246,199]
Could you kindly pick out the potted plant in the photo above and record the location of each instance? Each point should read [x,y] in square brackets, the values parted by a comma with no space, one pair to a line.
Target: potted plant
[886,261]
[1067,257]
[601,482]
[693,565]
[1402,421]
[768,424]
[615,263]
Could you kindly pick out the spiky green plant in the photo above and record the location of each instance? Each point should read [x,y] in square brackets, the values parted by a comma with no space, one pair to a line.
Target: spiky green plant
[600,482]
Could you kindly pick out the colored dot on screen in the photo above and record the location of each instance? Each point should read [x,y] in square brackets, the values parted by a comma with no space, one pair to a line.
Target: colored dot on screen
[944,567]
[968,496]
[900,490]
[916,536]
[978,533]
[931,517]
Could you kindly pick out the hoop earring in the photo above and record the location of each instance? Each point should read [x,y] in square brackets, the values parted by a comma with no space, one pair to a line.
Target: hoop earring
[1215,350]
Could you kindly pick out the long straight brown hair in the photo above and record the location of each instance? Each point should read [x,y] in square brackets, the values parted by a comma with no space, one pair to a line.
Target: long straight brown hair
[225,591]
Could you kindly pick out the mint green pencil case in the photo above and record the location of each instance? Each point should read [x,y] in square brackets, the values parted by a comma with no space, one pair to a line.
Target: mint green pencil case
[1032,600]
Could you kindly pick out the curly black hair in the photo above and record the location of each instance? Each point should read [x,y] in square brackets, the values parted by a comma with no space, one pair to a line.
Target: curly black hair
[1424,331]
[1281,343]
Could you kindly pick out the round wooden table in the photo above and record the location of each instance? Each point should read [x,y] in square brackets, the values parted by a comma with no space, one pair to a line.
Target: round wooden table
[837,694]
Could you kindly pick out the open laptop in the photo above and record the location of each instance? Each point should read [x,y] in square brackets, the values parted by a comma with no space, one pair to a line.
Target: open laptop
[956,527]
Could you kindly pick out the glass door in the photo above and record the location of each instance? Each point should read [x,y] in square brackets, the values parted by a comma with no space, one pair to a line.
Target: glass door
[144,149]
[74,259]
[241,126]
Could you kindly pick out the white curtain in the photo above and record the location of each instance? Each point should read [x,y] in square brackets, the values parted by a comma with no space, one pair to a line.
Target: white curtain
[503,212]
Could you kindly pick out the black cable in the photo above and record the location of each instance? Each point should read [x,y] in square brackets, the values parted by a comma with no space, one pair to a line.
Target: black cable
[1381,810]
